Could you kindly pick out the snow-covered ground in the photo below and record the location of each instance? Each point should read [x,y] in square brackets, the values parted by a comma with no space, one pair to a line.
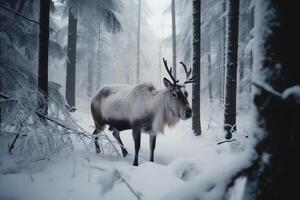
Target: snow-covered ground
[185,167]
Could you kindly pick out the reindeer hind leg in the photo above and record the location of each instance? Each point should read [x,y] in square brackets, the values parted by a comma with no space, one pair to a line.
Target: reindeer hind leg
[116,134]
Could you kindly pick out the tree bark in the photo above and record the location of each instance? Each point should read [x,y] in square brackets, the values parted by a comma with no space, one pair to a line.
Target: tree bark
[71,62]
[196,66]
[231,68]
[223,51]
[99,59]
[90,81]
[43,56]
[276,64]
[209,71]
[174,38]
[138,45]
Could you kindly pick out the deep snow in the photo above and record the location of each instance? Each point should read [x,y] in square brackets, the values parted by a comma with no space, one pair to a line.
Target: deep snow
[185,166]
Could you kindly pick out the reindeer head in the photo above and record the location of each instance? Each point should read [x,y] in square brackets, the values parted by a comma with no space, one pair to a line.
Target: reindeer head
[177,95]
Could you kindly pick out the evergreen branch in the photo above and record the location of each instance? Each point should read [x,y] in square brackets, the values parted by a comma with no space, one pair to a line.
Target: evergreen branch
[27,18]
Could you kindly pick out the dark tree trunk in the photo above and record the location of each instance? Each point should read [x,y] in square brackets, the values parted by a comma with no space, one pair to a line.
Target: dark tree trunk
[43,56]
[196,66]
[71,62]
[276,170]
[90,80]
[138,44]
[231,67]
[174,38]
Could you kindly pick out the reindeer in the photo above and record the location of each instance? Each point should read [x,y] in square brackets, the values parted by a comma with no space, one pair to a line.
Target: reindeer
[141,108]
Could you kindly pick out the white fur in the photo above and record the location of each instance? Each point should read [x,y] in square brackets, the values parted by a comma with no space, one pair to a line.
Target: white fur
[135,102]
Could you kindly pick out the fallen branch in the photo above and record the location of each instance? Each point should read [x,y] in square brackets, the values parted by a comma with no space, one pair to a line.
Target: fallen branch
[226,141]
[18,134]
[13,143]
[130,188]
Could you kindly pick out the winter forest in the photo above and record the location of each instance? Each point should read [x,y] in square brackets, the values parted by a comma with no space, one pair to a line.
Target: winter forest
[149,99]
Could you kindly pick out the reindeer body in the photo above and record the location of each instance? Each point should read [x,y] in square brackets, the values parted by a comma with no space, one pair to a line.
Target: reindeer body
[125,107]
[141,108]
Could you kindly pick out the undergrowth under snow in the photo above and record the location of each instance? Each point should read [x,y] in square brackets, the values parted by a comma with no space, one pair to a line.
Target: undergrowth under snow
[186,167]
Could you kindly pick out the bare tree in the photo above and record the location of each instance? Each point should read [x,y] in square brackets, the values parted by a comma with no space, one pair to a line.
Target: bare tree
[99,58]
[174,37]
[43,55]
[196,66]
[90,81]
[71,60]
[231,67]
[209,69]
[138,45]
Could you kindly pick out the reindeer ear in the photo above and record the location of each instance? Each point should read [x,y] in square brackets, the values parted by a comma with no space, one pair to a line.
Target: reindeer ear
[168,84]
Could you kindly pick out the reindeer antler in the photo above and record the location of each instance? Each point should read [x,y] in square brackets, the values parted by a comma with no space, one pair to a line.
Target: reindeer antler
[187,73]
[169,70]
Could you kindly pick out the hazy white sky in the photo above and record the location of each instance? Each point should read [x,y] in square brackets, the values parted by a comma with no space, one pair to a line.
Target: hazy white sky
[160,23]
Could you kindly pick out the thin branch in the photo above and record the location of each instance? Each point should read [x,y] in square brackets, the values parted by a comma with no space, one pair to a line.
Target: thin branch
[60,124]
[13,143]
[130,188]
[4,96]
[27,18]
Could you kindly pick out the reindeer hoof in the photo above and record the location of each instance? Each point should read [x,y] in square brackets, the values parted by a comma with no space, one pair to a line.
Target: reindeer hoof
[135,163]
[98,150]
[124,152]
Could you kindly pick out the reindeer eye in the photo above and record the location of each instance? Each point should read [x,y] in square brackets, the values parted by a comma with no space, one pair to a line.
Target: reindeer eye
[174,94]
[186,94]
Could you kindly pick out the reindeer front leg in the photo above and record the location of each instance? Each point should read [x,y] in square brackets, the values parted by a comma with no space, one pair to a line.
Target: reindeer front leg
[152,137]
[136,133]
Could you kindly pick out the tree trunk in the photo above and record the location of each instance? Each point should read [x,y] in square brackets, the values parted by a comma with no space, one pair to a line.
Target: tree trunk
[276,61]
[223,51]
[98,59]
[138,45]
[210,94]
[174,38]
[196,66]
[241,73]
[90,80]
[231,67]
[71,62]
[43,56]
